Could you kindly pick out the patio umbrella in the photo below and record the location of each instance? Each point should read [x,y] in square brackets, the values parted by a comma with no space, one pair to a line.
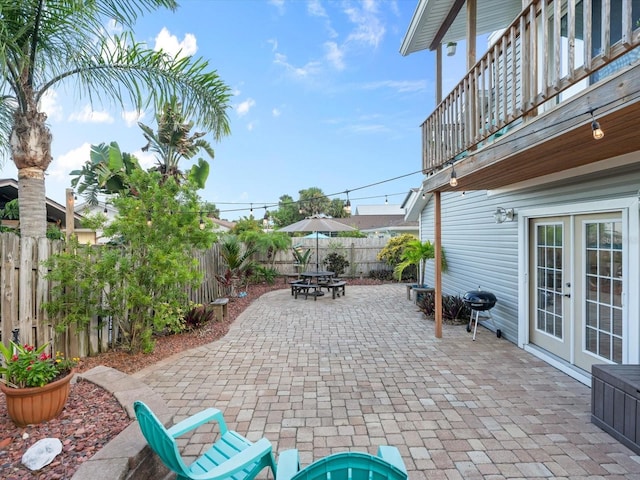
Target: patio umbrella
[315,224]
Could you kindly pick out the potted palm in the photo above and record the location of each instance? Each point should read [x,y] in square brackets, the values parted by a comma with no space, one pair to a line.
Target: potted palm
[35,383]
[417,253]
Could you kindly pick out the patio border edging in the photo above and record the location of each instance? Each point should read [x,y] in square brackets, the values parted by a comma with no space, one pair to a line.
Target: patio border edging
[127,456]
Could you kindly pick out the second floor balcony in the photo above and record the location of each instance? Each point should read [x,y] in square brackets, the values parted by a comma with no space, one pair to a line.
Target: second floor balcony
[526,108]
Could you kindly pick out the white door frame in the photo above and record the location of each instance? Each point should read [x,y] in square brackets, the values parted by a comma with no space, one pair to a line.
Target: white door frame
[629,206]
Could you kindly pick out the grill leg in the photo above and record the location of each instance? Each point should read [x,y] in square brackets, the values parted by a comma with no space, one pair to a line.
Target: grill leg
[477,319]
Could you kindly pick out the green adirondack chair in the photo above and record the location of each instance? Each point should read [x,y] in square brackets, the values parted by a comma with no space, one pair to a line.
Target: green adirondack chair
[232,456]
[387,465]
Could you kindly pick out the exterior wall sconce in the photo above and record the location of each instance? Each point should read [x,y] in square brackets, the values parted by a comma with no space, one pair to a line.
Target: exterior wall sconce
[504,215]
[451,49]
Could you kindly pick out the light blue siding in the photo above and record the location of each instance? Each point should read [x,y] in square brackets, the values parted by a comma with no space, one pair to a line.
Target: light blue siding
[481,253]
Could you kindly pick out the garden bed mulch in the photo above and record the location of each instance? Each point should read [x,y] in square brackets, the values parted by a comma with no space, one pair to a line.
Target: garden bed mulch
[92,416]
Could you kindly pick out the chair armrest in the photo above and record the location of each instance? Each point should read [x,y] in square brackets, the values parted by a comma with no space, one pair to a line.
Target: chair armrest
[200,418]
[240,461]
[392,456]
[288,464]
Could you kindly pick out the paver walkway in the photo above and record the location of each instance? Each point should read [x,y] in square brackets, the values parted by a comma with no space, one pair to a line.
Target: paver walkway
[364,370]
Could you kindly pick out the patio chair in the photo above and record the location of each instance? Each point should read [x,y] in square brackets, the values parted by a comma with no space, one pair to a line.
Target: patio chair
[232,456]
[387,465]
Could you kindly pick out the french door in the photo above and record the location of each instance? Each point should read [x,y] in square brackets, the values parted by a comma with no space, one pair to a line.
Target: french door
[577,272]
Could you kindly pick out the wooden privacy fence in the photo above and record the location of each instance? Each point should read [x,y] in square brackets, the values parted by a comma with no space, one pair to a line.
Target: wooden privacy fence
[24,288]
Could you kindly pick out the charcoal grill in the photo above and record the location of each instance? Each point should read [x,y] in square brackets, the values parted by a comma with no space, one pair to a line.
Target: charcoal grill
[480,303]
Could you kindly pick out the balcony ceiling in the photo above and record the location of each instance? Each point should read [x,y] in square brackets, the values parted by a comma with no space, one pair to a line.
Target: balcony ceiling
[430,15]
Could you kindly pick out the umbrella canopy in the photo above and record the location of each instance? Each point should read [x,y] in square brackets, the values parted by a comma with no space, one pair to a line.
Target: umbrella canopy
[316,235]
[316,223]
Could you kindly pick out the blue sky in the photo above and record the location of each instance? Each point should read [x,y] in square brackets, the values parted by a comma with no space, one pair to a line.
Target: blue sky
[321,98]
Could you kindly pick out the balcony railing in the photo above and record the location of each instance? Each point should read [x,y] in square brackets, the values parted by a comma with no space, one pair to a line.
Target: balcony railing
[552,49]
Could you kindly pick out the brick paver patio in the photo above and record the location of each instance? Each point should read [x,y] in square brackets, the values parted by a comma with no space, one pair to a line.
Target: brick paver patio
[365,370]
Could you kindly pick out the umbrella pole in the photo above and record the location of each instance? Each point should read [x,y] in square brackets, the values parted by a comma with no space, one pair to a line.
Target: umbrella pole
[317,254]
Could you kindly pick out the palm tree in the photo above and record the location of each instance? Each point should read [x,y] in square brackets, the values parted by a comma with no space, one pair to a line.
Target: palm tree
[44,43]
[173,142]
[417,253]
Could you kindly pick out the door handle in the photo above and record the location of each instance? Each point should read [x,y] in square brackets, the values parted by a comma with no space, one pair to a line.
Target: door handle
[568,295]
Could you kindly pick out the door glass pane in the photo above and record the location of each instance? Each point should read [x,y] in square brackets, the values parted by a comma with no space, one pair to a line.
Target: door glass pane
[603,279]
[549,251]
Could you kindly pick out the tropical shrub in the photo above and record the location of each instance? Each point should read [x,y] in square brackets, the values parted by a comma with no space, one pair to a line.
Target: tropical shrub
[453,307]
[336,262]
[198,316]
[262,274]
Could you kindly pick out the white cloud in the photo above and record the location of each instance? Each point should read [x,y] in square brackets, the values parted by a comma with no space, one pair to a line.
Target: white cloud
[132,117]
[315,9]
[244,107]
[401,86]
[276,112]
[274,44]
[145,159]
[369,30]
[279,4]
[88,115]
[334,55]
[311,68]
[250,126]
[49,105]
[171,45]
[72,160]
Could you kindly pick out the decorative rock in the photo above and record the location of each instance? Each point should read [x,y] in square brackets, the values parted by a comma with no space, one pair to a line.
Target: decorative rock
[41,453]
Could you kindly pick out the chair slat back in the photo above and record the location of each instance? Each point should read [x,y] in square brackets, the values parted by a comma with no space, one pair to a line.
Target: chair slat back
[350,466]
[158,438]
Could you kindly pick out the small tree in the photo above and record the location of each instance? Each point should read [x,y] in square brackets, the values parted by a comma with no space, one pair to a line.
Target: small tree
[391,254]
[142,280]
[417,253]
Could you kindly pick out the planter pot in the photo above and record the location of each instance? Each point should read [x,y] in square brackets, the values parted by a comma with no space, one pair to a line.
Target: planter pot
[30,406]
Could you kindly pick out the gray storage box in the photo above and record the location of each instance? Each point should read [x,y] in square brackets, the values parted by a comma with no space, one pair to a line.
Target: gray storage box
[615,402]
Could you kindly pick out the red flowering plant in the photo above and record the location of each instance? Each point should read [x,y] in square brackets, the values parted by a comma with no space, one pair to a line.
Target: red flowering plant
[26,366]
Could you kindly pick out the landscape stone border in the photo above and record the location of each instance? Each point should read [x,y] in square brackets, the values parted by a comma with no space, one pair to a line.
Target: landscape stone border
[127,456]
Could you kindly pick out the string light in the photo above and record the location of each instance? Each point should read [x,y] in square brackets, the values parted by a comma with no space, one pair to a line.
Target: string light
[453,181]
[201,221]
[149,222]
[347,205]
[386,200]
[595,128]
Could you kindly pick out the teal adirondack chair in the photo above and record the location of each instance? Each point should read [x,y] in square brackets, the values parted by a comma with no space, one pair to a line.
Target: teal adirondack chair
[387,465]
[232,456]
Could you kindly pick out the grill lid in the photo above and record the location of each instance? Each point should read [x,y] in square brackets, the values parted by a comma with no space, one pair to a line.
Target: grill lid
[479,299]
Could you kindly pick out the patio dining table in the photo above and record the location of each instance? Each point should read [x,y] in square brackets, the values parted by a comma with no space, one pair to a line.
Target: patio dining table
[316,279]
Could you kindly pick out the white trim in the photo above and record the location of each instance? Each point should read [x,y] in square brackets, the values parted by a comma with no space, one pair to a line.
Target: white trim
[562,366]
[629,206]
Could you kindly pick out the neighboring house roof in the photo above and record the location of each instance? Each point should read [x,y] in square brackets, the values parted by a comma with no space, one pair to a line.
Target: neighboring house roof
[431,15]
[380,223]
[56,213]
[379,210]
[224,225]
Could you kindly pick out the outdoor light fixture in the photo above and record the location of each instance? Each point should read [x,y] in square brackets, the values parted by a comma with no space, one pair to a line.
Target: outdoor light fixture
[595,126]
[424,195]
[201,222]
[105,209]
[265,219]
[451,49]
[453,181]
[503,215]
[347,205]
[386,200]
[149,219]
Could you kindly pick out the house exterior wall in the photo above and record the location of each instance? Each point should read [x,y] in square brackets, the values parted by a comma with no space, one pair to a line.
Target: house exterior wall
[480,252]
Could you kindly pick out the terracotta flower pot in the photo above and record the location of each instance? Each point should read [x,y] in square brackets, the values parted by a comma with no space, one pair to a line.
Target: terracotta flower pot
[30,406]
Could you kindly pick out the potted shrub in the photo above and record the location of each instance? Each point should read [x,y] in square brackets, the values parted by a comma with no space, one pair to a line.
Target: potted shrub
[35,384]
